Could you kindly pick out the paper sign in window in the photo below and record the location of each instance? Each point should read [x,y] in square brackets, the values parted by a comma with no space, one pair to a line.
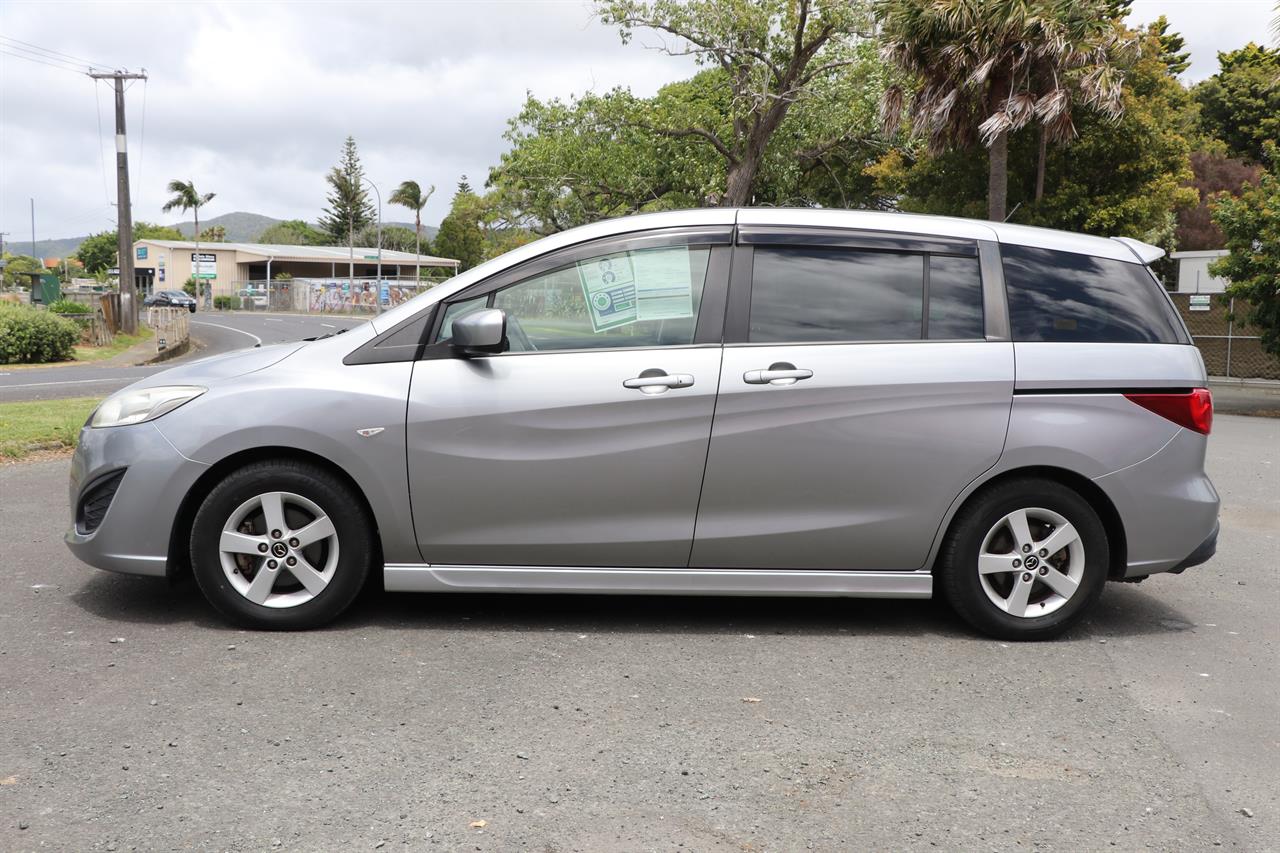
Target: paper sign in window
[664,287]
[609,286]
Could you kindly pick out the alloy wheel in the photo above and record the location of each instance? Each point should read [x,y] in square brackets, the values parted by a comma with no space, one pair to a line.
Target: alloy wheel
[1031,562]
[278,549]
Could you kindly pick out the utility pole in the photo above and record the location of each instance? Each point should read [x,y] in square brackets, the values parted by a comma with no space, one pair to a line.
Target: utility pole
[124,224]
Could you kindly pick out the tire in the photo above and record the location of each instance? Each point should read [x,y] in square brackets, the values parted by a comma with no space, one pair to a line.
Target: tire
[1002,589]
[332,552]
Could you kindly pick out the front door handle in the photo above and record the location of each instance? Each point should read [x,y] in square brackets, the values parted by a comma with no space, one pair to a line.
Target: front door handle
[779,373]
[654,381]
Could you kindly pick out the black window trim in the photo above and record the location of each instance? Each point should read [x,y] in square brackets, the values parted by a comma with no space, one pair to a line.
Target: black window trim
[710,324]
[849,238]
[738,316]
[709,329]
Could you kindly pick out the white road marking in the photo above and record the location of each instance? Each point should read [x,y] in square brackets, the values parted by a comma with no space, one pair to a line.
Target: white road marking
[67,382]
[326,325]
[273,320]
[228,328]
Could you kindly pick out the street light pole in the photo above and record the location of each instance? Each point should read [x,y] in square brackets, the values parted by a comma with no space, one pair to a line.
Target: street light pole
[377,296]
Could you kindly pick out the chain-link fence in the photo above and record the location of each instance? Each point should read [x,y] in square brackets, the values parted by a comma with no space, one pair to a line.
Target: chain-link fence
[319,295]
[1229,346]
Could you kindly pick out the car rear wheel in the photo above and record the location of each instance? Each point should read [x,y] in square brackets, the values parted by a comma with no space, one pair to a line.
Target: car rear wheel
[281,545]
[1025,560]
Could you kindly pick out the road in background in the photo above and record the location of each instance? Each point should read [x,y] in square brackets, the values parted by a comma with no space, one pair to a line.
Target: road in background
[131,716]
[212,332]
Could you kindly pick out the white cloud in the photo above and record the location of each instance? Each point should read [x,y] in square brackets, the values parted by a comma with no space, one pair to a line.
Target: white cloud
[252,100]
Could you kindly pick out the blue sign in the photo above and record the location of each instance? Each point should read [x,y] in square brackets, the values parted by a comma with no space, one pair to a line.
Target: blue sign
[142,253]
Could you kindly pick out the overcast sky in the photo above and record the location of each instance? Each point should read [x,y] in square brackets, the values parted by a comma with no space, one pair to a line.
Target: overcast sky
[253,100]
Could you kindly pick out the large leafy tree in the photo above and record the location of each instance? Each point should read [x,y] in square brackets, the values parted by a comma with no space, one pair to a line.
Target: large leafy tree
[1241,103]
[983,70]
[1251,224]
[599,155]
[349,208]
[1122,177]
[409,194]
[1214,173]
[461,235]
[771,54]
[98,252]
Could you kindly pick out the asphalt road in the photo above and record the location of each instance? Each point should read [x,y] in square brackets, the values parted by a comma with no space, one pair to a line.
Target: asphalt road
[130,717]
[212,333]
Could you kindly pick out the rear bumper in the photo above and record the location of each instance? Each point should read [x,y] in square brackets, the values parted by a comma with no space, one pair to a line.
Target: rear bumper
[1207,549]
[1168,507]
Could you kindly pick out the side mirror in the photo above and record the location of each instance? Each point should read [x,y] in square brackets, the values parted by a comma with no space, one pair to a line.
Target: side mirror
[480,332]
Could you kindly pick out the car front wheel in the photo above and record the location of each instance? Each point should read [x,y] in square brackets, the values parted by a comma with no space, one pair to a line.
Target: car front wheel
[1025,560]
[281,545]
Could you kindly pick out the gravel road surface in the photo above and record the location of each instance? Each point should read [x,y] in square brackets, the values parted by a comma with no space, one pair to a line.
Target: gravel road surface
[130,717]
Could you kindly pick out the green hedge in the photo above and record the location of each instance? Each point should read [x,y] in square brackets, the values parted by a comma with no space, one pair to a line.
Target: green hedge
[28,336]
[227,303]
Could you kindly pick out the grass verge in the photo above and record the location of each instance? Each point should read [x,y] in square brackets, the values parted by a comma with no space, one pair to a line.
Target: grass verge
[42,425]
[82,354]
[119,344]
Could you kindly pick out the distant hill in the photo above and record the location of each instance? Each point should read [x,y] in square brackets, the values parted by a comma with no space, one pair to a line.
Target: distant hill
[242,227]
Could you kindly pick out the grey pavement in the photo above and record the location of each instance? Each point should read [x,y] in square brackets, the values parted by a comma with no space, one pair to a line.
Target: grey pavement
[130,717]
[1258,397]
[211,332]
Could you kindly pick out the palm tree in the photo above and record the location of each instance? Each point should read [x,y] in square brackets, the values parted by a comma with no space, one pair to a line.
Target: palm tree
[186,198]
[409,195]
[986,69]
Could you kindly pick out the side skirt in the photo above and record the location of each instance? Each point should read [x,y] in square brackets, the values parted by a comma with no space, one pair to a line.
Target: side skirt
[420,577]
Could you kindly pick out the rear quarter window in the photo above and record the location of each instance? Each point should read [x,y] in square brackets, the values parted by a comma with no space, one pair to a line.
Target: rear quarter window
[1068,297]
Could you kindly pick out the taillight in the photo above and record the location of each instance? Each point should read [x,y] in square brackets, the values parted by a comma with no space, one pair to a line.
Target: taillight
[1193,410]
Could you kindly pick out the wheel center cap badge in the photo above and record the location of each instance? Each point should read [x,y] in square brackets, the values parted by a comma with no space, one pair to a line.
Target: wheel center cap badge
[279,549]
[1031,562]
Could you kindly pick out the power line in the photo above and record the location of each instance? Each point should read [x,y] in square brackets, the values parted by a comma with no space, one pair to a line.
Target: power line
[72,69]
[78,59]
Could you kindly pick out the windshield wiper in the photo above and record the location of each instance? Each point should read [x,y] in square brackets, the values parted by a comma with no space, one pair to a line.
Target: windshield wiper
[327,335]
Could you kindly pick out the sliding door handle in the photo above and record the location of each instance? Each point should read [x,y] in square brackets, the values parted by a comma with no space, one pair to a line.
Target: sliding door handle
[780,373]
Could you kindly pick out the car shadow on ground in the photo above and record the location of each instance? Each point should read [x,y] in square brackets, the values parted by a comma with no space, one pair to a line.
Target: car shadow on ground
[1124,610]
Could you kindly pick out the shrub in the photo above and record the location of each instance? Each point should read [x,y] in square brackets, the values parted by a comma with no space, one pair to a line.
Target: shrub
[227,303]
[28,336]
[66,306]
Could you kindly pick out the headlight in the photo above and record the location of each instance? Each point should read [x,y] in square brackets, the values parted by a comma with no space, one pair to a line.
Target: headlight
[136,405]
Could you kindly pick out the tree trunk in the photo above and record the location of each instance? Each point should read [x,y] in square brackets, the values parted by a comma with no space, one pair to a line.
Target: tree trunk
[739,181]
[1044,149]
[998,178]
[417,246]
[196,214]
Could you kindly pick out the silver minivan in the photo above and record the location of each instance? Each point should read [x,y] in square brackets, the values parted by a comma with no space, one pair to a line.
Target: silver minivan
[706,402]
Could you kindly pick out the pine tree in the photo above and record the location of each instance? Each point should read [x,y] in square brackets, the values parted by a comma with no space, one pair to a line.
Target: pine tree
[349,207]
[460,236]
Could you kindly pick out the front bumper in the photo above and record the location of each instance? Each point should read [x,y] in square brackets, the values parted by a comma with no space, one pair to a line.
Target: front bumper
[133,536]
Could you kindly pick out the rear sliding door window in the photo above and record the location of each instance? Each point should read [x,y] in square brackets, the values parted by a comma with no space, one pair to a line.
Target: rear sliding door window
[801,295]
[1067,297]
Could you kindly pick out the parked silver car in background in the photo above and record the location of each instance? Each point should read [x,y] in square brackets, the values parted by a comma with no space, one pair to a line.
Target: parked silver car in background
[725,402]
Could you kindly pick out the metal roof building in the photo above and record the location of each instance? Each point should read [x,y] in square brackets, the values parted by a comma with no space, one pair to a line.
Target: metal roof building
[167,264]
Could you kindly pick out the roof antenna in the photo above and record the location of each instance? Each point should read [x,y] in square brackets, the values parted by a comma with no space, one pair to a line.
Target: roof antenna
[1012,212]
